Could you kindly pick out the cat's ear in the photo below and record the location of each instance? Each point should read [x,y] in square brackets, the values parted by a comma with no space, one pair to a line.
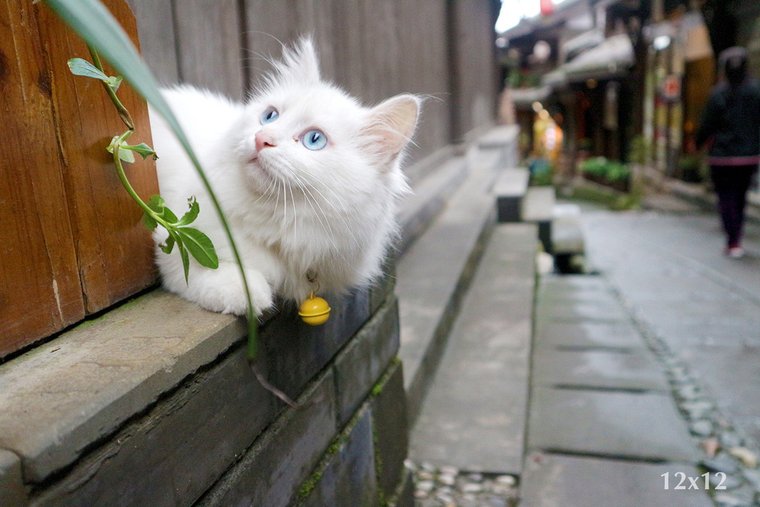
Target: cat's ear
[299,63]
[391,125]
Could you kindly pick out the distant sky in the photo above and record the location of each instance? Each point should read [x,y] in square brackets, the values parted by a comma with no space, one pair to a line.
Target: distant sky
[512,11]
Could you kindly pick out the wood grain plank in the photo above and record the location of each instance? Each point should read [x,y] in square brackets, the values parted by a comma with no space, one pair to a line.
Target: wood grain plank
[209,41]
[155,26]
[39,282]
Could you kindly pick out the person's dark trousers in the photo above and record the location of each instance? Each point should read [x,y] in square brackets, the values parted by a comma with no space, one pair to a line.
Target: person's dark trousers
[731,184]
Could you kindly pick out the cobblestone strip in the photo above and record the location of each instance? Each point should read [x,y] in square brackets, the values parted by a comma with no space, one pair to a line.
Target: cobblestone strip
[450,487]
[725,450]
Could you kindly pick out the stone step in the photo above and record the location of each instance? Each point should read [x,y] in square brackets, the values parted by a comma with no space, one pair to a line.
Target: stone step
[510,189]
[474,415]
[430,194]
[434,270]
[538,207]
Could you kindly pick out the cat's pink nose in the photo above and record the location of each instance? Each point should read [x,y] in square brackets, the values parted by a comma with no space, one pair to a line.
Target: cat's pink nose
[264,140]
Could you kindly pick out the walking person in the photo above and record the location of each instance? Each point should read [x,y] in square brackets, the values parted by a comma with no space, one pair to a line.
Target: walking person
[731,127]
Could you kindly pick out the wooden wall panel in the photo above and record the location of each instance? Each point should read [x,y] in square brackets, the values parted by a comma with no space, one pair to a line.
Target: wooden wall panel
[72,241]
[114,249]
[209,36]
[155,22]
[39,281]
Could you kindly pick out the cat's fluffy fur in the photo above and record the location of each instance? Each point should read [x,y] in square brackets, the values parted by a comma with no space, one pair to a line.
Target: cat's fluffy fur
[292,211]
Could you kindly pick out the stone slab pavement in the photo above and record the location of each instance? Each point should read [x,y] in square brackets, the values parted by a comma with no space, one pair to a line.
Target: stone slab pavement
[570,481]
[705,307]
[603,424]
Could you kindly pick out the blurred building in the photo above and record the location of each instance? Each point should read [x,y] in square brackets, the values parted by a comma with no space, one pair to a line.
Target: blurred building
[623,79]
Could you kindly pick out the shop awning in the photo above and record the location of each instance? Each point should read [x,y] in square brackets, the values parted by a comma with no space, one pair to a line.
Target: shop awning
[523,98]
[611,58]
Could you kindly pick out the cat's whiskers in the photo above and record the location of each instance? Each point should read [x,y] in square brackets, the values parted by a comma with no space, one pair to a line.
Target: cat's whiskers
[295,215]
[306,192]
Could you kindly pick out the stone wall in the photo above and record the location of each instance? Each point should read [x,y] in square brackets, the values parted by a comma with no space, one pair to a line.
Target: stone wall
[196,426]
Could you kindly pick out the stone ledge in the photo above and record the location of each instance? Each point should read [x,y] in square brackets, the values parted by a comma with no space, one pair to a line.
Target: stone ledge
[60,397]
[74,392]
[270,472]
[434,273]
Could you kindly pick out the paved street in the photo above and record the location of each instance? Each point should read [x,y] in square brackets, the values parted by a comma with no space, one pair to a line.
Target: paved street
[705,307]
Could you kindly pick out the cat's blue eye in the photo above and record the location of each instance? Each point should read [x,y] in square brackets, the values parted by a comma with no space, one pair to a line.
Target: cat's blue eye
[269,115]
[314,139]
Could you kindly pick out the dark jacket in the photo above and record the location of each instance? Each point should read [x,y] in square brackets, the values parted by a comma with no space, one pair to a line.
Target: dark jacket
[732,120]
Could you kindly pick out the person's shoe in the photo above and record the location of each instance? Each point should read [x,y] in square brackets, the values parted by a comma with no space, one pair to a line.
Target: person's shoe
[735,252]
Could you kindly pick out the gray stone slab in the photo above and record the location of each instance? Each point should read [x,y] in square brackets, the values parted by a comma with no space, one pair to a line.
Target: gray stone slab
[573,283]
[599,369]
[12,491]
[63,395]
[432,277]
[617,335]
[581,311]
[475,413]
[362,362]
[538,204]
[627,425]
[173,454]
[348,479]
[511,182]
[564,481]
[567,236]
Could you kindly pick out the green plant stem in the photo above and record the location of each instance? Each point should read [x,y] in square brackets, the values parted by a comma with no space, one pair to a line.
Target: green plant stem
[123,112]
[127,185]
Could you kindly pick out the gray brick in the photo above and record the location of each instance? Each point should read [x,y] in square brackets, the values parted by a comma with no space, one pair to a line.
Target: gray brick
[282,458]
[391,430]
[179,449]
[12,491]
[297,352]
[364,359]
[349,477]
[405,492]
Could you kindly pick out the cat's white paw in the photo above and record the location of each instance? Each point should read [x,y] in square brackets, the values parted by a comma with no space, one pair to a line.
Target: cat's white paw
[222,290]
[233,295]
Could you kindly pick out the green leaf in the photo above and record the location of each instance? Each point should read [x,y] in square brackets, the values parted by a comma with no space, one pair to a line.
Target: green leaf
[185,261]
[156,203]
[169,216]
[114,82]
[168,245]
[125,155]
[149,221]
[81,67]
[190,216]
[142,149]
[200,246]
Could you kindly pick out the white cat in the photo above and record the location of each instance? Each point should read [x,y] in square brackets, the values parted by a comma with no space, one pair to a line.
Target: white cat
[307,177]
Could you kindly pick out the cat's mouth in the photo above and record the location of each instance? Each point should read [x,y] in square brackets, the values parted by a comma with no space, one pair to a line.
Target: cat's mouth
[259,167]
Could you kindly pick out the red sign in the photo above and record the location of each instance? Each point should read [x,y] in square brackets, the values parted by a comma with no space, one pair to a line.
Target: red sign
[671,87]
